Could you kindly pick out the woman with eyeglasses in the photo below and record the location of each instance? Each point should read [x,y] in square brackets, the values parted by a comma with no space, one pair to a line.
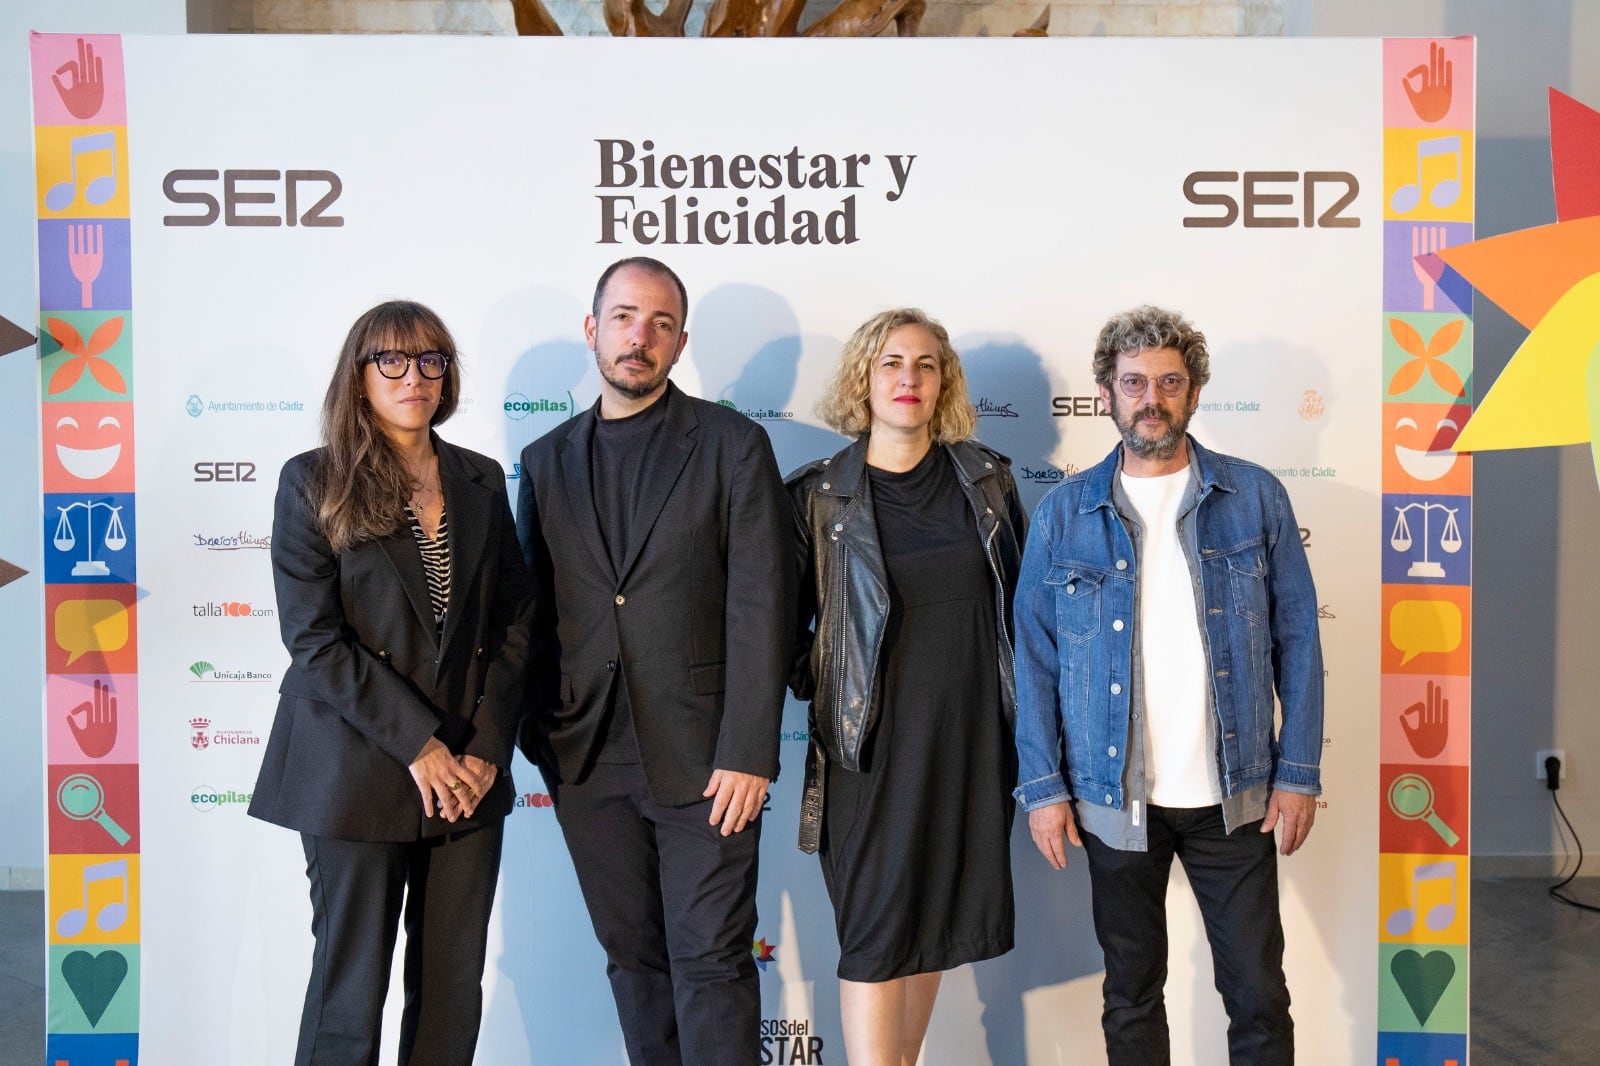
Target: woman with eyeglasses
[909,543]
[404,604]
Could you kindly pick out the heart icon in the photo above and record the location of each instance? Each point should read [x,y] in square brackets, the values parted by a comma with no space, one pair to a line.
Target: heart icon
[94,979]
[1422,979]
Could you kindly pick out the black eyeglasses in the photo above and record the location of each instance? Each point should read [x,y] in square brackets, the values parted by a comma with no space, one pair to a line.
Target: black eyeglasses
[1133,385]
[394,364]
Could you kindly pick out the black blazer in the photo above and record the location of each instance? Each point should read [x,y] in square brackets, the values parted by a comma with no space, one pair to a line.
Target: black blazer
[371,679]
[699,620]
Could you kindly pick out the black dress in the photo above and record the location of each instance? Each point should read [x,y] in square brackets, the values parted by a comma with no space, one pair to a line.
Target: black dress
[915,847]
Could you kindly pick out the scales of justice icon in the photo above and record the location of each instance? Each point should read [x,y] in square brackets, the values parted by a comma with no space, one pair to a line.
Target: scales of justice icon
[1449,537]
[115,539]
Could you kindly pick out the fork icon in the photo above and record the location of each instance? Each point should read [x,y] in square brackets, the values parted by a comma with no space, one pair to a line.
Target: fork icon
[1426,240]
[85,252]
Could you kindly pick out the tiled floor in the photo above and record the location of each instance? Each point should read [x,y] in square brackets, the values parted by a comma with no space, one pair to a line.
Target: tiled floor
[21,978]
[1535,976]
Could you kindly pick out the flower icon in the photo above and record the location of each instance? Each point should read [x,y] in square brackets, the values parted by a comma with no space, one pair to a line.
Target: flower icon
[86,355]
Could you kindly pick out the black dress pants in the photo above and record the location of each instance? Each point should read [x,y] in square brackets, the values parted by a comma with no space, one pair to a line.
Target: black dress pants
[1235,880]
[673,903]
[445,887]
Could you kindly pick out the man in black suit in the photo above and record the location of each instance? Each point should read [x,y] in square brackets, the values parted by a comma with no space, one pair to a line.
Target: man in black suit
[656,527]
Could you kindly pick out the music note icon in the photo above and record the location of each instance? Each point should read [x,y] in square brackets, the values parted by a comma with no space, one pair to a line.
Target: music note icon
[63,194]
[1445,191]
[108,917]
[1439,916]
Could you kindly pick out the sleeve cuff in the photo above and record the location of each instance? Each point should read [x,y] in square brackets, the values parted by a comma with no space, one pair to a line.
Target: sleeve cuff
[1041,792]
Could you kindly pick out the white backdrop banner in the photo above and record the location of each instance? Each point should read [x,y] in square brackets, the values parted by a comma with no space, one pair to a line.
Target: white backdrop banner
[278,186]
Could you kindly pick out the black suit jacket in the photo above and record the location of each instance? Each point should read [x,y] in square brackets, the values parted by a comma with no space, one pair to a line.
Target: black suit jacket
[699,619]
[371,679]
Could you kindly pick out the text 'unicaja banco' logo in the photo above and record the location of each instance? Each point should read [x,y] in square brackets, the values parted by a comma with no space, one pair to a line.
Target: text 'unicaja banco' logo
[759,414]
[206,672]
[518,406]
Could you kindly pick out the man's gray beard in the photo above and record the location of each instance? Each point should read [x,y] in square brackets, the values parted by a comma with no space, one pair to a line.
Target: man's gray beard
[1163,447]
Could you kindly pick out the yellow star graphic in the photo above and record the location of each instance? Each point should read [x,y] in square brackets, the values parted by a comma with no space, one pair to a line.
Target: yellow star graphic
[1548,279]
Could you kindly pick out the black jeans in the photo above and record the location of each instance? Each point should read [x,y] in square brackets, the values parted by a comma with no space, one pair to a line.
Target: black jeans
[673,902]
[1235,880]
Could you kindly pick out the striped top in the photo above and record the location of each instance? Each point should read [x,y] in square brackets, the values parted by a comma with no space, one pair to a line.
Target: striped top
[435,562]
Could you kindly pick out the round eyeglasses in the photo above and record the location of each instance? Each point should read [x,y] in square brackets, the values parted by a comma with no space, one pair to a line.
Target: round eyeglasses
[394,364]
[1133,385]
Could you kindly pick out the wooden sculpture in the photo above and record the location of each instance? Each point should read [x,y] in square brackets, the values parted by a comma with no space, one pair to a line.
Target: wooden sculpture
[631,18]
[748,18]
[1040,27]
[754,18]
[868,18]
[533,20]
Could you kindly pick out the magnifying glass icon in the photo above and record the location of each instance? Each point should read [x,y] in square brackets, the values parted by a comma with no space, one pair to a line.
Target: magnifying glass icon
[1411,797]
[83,799]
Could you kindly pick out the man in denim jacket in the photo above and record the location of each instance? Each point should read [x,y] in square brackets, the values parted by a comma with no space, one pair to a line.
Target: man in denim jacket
[1164,596]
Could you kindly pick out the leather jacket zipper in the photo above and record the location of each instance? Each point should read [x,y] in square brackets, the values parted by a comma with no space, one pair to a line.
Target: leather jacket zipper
[999,591]
[842,598]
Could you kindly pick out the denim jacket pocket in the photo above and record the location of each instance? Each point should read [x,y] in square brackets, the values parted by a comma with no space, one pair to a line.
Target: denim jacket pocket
[1247,583]
[1077,600]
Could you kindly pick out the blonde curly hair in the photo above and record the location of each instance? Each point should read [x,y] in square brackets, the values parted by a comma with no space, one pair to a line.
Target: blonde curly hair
[846,406]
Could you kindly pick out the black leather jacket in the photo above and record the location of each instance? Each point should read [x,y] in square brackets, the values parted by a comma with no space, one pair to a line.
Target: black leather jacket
[844,598]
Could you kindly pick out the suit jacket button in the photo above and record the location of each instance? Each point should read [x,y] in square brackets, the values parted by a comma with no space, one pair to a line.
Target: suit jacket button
[480,653]
[611,665]
[621,600]
[383,655]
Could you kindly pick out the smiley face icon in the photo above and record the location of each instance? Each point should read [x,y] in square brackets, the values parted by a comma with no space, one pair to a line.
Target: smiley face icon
[88,446]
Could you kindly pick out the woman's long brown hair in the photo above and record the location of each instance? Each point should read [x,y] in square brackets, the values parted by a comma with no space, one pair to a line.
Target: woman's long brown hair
[361,484]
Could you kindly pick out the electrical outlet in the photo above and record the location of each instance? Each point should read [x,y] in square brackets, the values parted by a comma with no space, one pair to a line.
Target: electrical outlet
[1538,764]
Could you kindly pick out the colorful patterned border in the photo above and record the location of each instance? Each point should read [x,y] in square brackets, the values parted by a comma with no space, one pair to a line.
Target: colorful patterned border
[1424,779]
[91,612]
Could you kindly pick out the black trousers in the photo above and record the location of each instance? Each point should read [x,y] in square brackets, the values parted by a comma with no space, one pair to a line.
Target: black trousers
[673,903]
[445,886]
[1235,881]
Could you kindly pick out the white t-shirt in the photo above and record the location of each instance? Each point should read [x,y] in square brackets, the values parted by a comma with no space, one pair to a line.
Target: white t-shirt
[1180,765]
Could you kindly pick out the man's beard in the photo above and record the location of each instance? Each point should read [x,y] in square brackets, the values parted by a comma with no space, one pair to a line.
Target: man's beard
[1160,448]
[634,388]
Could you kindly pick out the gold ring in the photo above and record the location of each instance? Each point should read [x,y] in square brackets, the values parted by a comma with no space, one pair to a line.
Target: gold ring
[454,785]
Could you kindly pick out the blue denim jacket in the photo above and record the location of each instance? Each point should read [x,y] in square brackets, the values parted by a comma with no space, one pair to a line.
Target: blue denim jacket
[1076,649]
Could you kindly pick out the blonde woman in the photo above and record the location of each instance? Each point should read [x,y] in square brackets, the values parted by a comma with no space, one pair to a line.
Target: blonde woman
[909,542]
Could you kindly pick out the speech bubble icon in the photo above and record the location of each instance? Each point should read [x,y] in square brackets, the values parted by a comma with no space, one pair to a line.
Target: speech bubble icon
[1416,626]
[83,626]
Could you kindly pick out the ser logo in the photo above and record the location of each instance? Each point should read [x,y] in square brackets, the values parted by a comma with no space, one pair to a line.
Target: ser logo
[1314,187]
[256,191]
[1077,406]
[233,471]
